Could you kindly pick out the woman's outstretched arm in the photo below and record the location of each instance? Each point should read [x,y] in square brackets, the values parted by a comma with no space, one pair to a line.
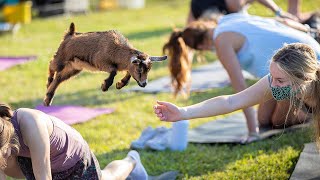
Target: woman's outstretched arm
[253,95]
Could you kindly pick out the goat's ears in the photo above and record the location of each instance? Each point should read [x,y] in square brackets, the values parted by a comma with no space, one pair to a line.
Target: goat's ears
[158,58]
[135,60]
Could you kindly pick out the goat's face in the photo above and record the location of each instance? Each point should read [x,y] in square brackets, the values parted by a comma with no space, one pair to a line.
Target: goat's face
[140,66]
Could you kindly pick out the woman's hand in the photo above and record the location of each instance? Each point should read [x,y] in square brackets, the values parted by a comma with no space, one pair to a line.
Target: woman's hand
[287,15]
[251,137]
[166,111]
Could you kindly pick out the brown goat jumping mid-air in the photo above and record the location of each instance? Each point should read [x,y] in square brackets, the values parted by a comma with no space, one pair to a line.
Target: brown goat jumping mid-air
[107,51]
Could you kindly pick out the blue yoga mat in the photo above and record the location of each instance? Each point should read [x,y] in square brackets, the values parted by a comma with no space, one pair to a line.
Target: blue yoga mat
[231,129]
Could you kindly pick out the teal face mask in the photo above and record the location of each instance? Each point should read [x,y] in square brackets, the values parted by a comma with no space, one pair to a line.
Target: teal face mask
[280,93]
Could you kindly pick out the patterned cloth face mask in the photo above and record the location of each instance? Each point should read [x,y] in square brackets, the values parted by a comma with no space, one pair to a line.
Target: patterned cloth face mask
[280,93]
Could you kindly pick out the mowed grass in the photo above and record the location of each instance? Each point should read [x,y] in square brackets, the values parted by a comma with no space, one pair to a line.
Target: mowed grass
[109,136]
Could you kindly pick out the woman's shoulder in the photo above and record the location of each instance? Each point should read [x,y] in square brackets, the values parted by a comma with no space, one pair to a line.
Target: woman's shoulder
[29,117]
[24,110]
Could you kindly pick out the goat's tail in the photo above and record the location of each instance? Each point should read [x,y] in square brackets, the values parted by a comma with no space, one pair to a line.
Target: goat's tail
[179,61]
[71,30]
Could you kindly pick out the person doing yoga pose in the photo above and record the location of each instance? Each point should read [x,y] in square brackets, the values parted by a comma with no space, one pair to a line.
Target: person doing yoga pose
[34,145]
[240,41]
[293,82]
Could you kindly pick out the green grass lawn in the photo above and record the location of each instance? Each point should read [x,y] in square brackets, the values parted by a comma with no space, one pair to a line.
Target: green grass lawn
[109,136]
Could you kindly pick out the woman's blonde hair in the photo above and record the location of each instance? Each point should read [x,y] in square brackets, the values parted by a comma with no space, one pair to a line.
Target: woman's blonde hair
[178,48]
[8,137]
[299,62]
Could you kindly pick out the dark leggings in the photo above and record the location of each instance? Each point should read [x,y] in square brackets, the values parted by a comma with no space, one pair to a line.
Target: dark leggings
[198,7]
[81,170]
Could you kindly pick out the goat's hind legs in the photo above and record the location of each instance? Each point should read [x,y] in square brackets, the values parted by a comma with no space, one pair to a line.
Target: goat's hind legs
[109,81]
[60,76]
[124,81]
[50,77]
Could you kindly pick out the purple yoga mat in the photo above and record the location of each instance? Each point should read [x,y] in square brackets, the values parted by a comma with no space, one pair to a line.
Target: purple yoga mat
[7,62]
[74,114]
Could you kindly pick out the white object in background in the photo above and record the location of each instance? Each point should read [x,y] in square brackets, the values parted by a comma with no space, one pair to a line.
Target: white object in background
[131,4]
[179,137]
[76,6]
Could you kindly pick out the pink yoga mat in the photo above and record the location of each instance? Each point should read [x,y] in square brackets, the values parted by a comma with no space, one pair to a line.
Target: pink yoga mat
[7,62]
[74,114]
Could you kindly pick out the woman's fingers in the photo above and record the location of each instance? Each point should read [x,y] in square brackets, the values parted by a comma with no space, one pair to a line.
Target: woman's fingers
[157,107]
[163,103]
[157,110]
[162,109]
[161,116]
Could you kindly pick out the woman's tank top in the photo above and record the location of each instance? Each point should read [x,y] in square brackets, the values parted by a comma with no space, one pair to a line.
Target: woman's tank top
[67,146]
[263,37]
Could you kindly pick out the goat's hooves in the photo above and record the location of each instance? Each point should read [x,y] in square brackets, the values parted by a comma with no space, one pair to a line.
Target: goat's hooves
[46,102]
[104,88]
[119,85]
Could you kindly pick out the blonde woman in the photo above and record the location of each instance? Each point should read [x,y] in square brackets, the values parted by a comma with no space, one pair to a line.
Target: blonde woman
[34,145]
[288,95]
[241,42]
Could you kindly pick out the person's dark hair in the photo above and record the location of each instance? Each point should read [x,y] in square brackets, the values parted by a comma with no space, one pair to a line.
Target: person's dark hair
[178,48]
[8,138]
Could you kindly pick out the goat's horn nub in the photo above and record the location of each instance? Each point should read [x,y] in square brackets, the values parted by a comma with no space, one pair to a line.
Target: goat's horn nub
[158,58]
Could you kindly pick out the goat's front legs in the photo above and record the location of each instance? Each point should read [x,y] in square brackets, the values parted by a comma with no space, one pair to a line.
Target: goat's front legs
[124,81]
[109,81]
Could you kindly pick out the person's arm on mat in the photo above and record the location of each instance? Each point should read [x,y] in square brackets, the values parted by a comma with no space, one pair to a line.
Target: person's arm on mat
[35,135]
[215,106]
[277,10]
[227,44]
[294,24]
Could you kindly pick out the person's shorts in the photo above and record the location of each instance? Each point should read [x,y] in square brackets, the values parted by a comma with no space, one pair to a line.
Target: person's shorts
[198,7]
[86,170]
